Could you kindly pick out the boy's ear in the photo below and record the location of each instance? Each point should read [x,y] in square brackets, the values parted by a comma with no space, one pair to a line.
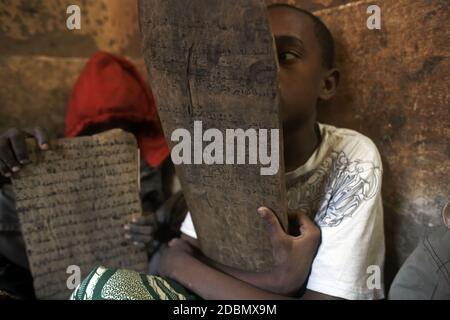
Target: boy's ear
[329,84]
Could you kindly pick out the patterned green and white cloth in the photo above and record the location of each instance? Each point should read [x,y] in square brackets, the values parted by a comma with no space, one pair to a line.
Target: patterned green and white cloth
[117,284]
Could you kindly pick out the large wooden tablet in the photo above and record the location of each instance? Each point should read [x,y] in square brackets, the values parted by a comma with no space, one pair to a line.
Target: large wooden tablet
[73,202]
[214,61]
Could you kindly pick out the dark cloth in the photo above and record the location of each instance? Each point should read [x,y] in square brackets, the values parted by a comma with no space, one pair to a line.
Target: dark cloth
[15,281]
[110,89]
[8,218]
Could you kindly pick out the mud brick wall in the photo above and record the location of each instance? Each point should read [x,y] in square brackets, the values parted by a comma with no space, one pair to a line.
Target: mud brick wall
[394,87]
[40,59]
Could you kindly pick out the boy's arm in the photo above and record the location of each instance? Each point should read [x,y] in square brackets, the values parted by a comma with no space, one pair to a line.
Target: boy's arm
[210,283]
[206,281]
[266,281]
[293,258]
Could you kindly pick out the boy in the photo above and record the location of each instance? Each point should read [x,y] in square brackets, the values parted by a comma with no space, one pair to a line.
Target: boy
[334,175]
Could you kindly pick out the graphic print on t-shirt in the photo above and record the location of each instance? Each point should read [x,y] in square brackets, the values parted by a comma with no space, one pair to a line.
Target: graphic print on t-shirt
[335,189]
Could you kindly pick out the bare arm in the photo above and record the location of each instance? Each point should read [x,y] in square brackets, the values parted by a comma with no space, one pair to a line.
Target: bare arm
[294,256]
[266,281]
[210,283]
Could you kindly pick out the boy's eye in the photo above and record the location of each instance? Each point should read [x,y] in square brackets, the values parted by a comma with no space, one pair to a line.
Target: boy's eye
[287,56]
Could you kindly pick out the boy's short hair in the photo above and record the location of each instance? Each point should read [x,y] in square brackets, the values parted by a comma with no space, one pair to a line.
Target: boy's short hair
[322,32]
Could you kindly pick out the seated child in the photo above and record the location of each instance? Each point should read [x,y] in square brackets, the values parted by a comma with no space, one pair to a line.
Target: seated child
[333,175]
[425,275]
[109,93]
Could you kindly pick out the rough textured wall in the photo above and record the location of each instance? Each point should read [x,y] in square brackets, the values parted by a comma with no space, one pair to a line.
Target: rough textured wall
[35,91]
[395,89]
[38,27]
[40,59]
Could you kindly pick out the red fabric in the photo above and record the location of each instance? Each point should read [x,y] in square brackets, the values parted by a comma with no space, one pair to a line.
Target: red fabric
[110,88]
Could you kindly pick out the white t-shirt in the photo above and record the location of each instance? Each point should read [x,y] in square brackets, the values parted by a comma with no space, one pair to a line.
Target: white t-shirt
[340,186]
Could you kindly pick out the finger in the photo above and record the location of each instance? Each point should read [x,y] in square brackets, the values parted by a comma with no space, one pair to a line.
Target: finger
[173,242]
[7,156]
[140,238]
[306,225]
[139,229]
[276,232]
[4,170]
[41,137]
[140,245]
[178,242]
[136,241]
[19,146]
[143,220]
[181,245]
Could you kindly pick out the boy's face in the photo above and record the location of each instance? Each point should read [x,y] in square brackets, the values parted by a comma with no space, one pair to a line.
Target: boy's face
[301,67]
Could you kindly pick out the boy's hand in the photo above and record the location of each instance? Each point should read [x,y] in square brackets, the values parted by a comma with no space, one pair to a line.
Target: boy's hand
[293,254]
[172,257]
[141,229]
[13,148]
